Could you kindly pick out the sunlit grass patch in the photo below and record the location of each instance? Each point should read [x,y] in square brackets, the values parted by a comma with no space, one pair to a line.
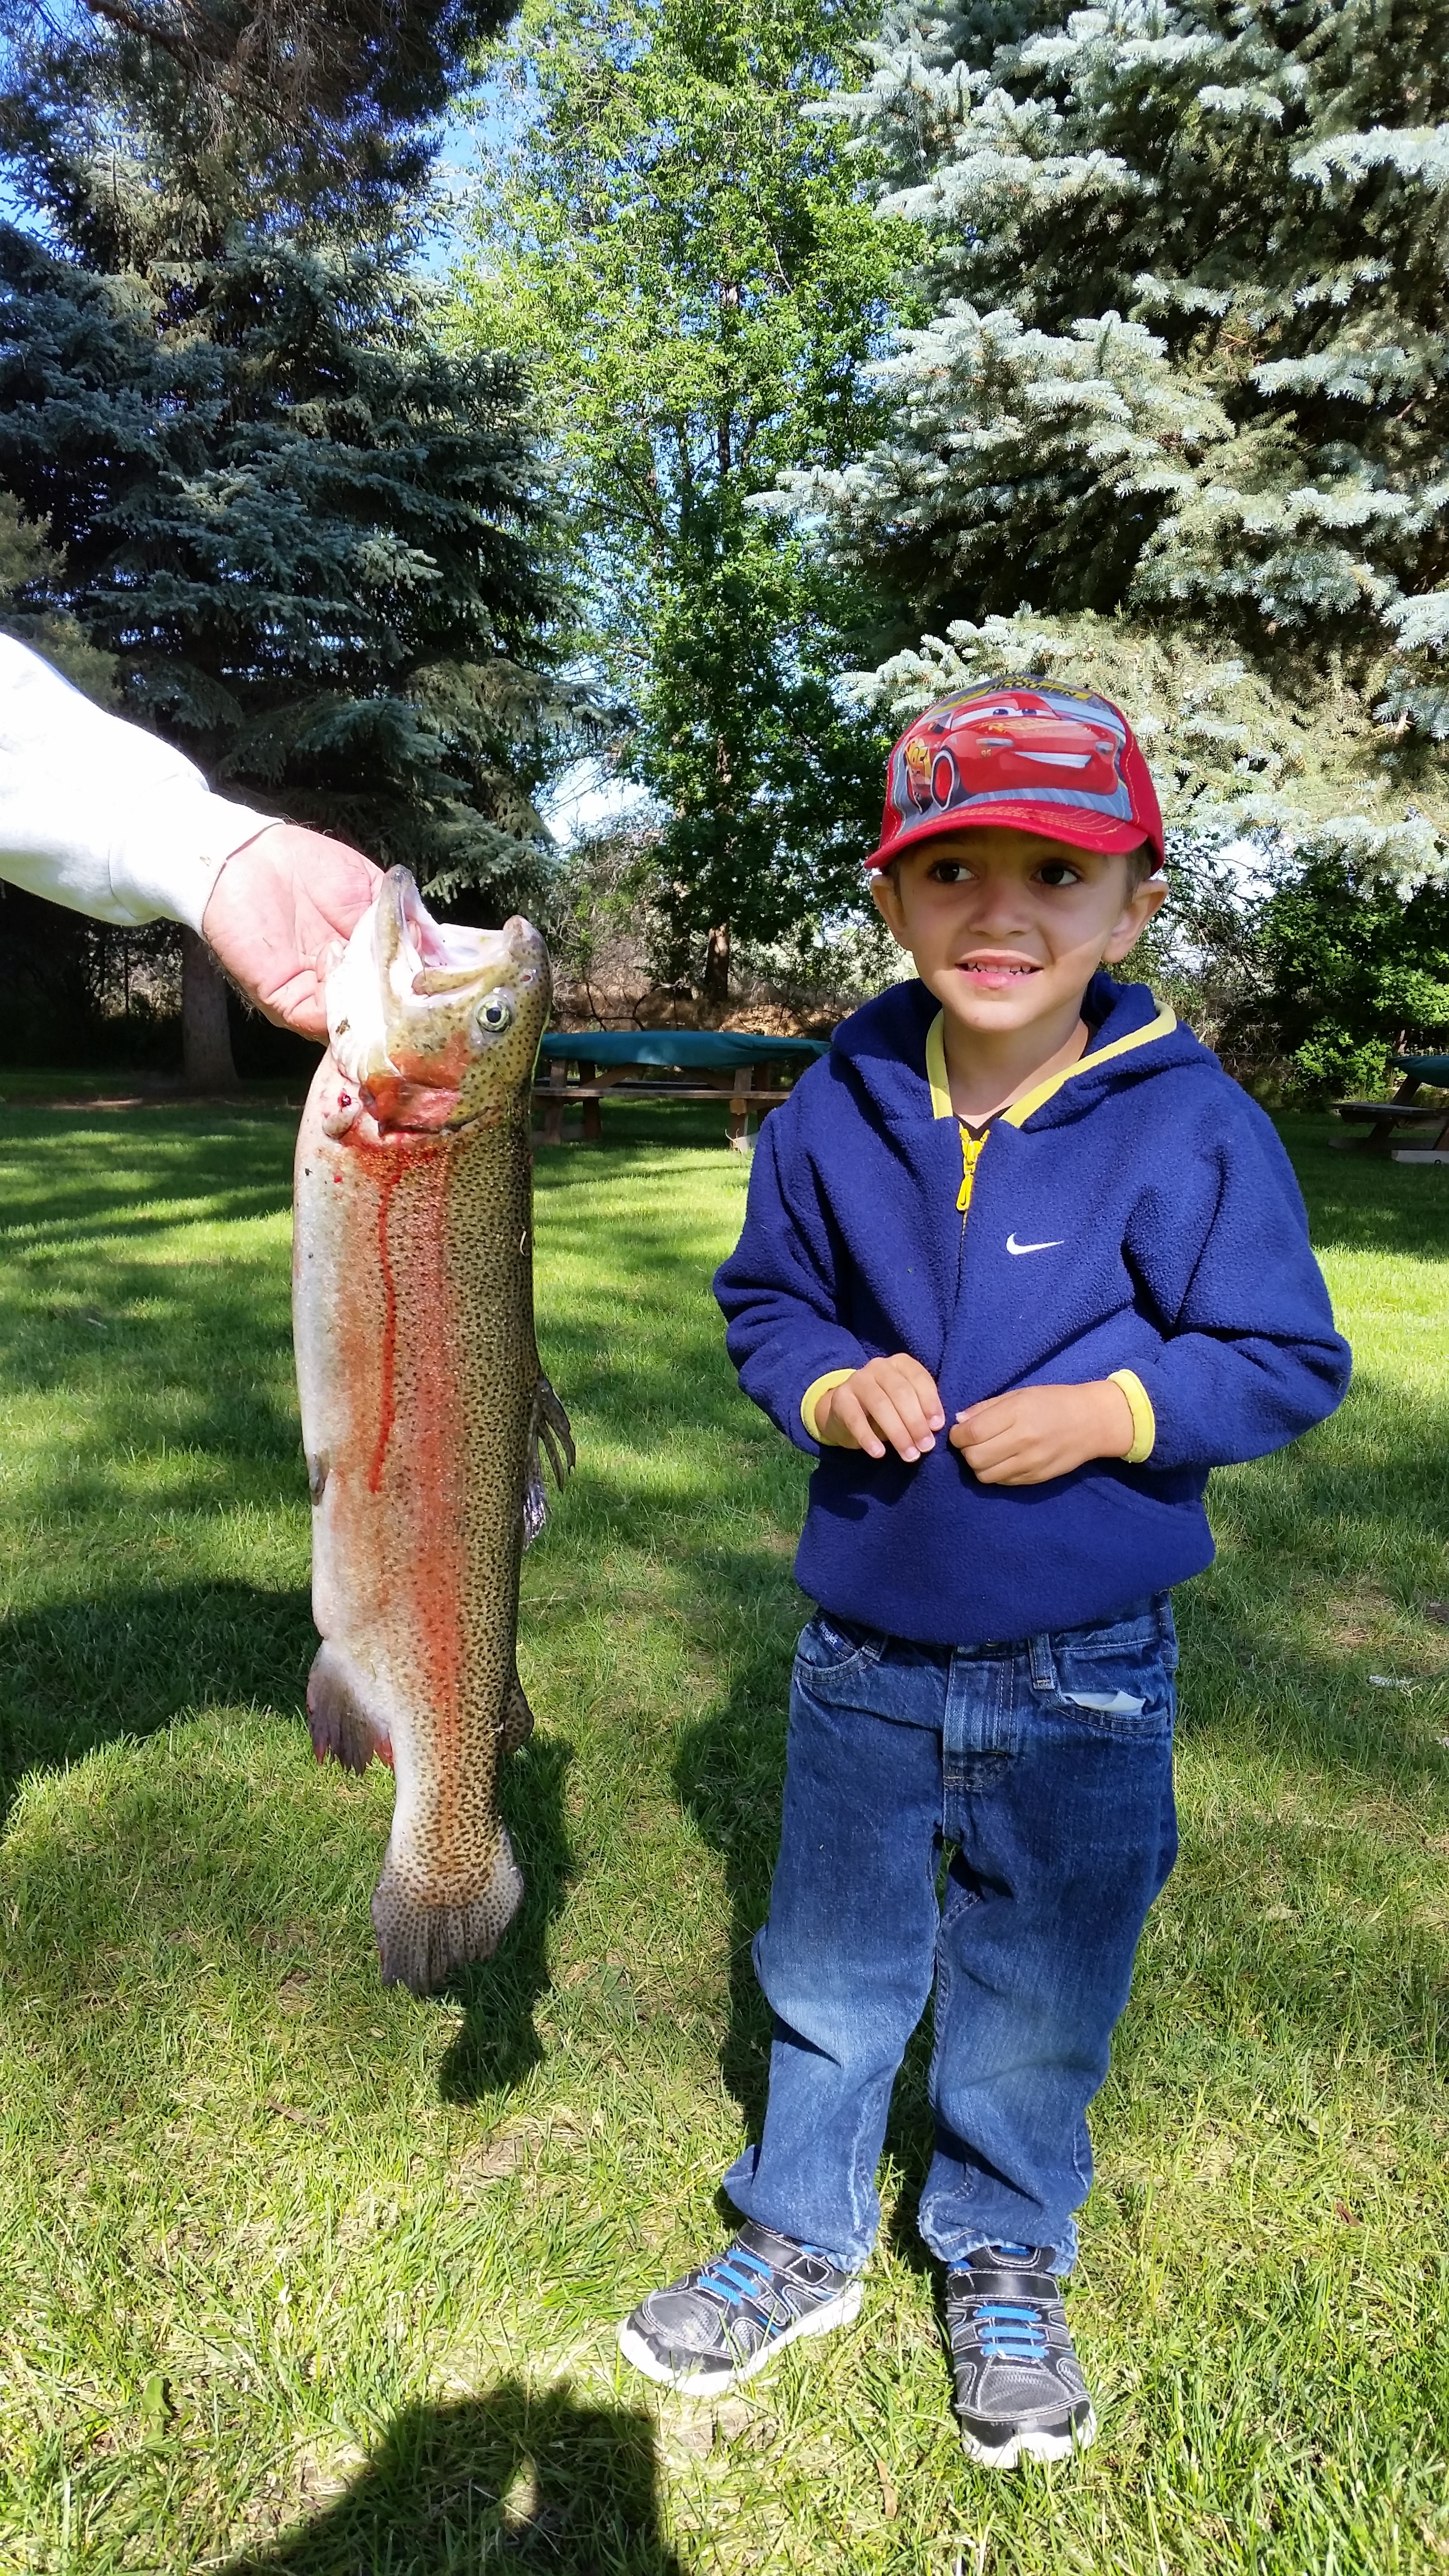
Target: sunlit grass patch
[298,2274]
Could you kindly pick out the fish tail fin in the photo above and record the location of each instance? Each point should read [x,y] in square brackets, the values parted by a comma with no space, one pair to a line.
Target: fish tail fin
[550,1434]
[343,1727]
[420,1945]
[516,1724]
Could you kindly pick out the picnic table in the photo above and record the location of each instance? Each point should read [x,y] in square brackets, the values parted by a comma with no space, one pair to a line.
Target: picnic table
[1405,1111]
[585,1067]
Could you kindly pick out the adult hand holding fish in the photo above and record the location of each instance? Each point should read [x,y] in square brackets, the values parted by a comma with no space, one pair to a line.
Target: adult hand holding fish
[423,1401]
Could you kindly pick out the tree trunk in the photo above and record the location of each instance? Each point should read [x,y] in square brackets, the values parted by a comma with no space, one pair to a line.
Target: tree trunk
[716,986]
[205,1032]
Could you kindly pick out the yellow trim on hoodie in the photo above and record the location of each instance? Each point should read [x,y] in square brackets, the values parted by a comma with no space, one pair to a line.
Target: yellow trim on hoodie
[972,1145]
[936,1073]
[1144,1420]
[821,1386]
[1020,1110]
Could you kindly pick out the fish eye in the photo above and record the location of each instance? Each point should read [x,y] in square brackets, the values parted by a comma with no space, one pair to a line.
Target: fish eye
[493,1015]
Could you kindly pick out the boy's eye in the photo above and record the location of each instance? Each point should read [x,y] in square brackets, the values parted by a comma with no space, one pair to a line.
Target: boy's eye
[948,871]
[1059,872]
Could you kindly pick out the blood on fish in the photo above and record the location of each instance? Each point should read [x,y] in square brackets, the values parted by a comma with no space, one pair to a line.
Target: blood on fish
[387,1410]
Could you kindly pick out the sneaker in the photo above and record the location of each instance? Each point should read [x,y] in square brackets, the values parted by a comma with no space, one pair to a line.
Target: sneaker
[1020,2394]
[724,2322]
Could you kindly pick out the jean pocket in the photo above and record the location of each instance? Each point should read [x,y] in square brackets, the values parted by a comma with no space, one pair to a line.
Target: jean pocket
[833,1645]
[1120,1690]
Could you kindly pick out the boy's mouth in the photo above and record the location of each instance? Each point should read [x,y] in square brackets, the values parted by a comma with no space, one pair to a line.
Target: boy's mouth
[995,974]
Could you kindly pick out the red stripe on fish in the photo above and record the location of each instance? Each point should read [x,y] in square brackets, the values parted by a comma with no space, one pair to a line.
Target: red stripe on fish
[387,1407]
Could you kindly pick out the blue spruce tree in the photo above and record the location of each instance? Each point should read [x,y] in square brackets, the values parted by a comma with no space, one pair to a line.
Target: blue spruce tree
[318,547]
[1179,426]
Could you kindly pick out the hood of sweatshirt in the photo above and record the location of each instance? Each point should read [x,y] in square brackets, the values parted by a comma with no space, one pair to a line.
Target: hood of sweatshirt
[890,1048]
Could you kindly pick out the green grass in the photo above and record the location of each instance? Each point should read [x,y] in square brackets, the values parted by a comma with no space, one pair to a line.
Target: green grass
[296,2274]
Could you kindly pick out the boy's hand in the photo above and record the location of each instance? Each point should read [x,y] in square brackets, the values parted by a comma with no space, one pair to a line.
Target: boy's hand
[1043,1431]
[893,1401]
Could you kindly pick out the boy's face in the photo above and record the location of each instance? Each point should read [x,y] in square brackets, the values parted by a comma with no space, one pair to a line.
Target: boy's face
[1008,928]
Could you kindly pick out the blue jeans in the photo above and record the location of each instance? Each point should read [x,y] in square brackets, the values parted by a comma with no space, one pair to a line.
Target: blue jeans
[1044,1769]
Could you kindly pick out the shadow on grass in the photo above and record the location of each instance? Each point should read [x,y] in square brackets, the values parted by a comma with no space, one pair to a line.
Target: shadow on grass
[498,2043]
[230,1844]
[79,1674]
[1364,1202]
[241,1167]
[527,2480]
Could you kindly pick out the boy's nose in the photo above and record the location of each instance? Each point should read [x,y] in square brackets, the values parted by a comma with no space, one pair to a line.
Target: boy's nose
[999,911]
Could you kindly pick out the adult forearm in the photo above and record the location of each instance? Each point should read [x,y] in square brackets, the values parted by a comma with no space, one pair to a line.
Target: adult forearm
[100,815]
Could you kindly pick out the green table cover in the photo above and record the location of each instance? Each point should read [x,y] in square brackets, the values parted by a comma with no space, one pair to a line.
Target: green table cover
[686,1050]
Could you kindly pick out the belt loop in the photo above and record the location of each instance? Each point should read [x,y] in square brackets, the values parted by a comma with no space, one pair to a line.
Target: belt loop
[1043,1668]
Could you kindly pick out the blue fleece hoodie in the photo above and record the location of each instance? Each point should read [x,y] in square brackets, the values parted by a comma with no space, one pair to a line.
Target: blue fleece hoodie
[1136,1215]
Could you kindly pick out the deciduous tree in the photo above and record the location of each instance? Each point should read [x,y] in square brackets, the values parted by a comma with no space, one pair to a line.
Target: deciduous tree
[693,275]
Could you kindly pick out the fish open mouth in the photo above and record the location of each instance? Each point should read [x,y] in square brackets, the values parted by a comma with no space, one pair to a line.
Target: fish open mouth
[443,957]
[424,959]
[414,1004]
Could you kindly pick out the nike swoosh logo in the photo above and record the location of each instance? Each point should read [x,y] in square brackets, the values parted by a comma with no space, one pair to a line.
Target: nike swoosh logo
[1054,1246]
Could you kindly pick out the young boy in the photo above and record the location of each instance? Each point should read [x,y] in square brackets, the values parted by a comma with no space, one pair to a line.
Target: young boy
[1020,1265]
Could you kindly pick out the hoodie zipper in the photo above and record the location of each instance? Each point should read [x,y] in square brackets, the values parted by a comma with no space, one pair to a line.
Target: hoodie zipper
[973,1146]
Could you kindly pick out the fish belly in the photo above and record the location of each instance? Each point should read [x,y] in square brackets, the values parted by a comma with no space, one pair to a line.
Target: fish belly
[416,1369]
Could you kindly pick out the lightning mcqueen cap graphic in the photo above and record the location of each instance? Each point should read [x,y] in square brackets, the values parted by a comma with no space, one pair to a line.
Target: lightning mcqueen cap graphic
[1024,753]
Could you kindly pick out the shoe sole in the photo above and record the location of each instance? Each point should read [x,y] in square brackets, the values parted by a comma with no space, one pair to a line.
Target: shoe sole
[1029,2445]
[841,2311]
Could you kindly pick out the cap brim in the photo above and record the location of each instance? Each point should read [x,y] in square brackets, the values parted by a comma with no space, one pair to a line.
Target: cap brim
[1070,823]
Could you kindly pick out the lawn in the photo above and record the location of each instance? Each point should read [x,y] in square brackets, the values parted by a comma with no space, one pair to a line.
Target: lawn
[301,2275]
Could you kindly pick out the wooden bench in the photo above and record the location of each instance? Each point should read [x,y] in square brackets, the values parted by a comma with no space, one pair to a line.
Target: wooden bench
[1384,1116]
[558,1093]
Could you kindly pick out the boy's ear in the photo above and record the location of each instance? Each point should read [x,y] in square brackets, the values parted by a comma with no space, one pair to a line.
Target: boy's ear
[886,896]
[1133,918]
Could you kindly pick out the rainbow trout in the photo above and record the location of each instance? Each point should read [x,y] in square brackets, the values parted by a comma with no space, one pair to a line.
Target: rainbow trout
[423,1401]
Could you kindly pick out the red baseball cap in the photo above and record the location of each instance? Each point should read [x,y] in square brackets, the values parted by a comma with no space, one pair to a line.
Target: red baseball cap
[1025,753]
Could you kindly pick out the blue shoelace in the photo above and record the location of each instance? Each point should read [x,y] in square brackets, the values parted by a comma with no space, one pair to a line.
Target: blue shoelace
[1008,2333]
[743,2278]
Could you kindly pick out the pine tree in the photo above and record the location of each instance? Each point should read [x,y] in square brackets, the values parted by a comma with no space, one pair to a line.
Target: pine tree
[316,545]
[1184,392]
[309,540]
[326,104]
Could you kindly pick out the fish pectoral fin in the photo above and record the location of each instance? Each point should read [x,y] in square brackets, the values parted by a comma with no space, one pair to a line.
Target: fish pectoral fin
[516,1724]
[550,1434]
[553,1427]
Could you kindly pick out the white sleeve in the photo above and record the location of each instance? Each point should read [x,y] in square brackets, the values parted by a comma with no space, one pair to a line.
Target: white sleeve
[98,814]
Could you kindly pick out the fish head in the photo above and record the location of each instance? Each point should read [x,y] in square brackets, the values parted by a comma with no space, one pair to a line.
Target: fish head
[435,1025]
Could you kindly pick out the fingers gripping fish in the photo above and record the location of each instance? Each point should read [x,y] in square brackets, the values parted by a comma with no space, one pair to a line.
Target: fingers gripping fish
[424,1407]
